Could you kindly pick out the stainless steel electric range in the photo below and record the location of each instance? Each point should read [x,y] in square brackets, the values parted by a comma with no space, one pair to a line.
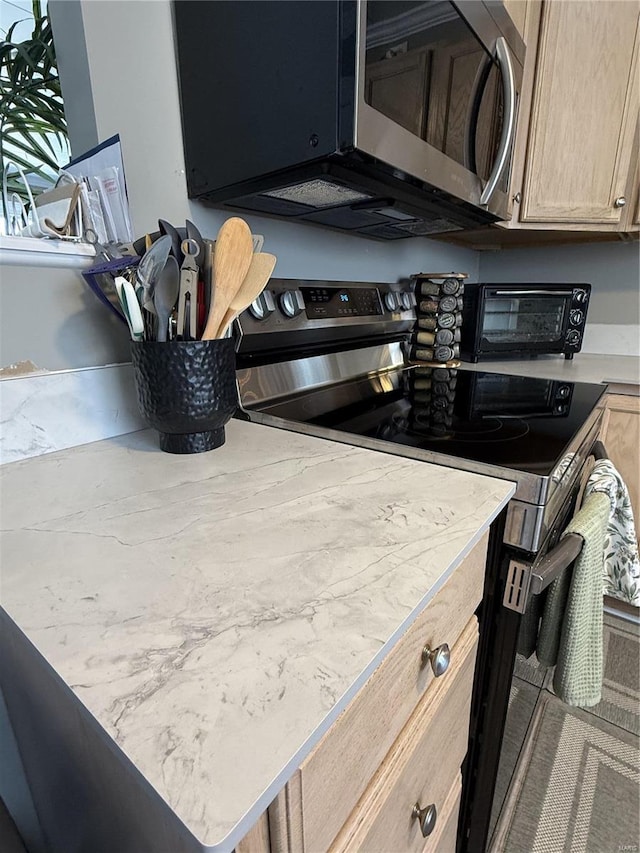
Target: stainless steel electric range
[332,359]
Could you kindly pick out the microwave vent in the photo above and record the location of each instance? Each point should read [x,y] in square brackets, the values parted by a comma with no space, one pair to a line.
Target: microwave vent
[432,226]
[318,193]
[345,217]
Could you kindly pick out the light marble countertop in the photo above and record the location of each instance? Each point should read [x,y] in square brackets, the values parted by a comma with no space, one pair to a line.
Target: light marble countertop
[216,612]
[584,367]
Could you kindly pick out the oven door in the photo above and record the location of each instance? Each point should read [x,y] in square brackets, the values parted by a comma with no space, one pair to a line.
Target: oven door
[522,320]
[437,86]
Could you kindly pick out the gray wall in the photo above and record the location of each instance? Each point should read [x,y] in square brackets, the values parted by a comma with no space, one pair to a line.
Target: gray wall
[136,95]
[613,270]
[49,316]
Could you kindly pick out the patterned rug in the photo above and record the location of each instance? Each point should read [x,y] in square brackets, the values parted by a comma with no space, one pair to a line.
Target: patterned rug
[577,787]
[621,688]
[575,783]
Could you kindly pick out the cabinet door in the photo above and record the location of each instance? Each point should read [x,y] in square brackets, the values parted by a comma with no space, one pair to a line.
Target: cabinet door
[585,109]
[621,437]
[517,10]
[397,87]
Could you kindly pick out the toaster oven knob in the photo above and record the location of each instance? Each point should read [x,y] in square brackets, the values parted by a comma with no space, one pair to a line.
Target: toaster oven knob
[263,306]
[390,301]
[291,303]
[405,298]
[580,295]
[576,317]
[573,336]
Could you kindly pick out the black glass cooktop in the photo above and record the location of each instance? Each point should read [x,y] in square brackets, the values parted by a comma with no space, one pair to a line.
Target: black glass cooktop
[517,422]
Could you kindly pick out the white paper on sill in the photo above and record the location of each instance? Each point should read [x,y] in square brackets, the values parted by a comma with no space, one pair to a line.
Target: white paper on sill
[103,167]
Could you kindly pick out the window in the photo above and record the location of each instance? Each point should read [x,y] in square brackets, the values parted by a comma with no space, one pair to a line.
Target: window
[33,132]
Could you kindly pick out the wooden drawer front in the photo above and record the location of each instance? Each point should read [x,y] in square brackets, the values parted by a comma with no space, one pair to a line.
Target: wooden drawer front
[337,772]
[423,766]
[445,835]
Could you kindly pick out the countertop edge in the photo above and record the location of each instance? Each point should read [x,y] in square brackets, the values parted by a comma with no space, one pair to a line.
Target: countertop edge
[228,843]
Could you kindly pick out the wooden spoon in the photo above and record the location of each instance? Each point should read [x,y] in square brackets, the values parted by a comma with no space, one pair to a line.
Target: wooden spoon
[262,264]
[231,261]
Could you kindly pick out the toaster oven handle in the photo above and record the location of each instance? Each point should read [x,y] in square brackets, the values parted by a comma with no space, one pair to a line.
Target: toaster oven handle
[509,120]
[530,292]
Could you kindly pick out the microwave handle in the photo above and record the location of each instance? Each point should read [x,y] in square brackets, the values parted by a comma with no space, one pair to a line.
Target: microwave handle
[475,102]
[509,122]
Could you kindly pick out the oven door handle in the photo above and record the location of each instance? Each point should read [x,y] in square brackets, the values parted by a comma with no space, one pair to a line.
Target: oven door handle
[555,562]
[508,122]
[525,579]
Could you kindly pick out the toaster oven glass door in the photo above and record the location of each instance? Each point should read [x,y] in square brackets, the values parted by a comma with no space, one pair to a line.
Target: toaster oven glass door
[524,322]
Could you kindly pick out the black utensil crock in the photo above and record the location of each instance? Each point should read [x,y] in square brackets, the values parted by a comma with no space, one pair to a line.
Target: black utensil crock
[187,391]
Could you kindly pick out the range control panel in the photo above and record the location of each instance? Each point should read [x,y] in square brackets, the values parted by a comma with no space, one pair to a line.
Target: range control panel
[324,303]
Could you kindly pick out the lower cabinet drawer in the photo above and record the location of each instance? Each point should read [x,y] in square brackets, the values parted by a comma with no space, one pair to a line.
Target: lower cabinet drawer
[336,774]
[421,769]
[445,834]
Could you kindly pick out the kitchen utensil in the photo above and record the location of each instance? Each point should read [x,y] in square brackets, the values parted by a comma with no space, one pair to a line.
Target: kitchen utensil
[259,273]
[258,242]
[102,252]
[231,261]
[176,240]
[165,296]
[130,307]
[207,274]
[188,295]
[194,234]
[149,269]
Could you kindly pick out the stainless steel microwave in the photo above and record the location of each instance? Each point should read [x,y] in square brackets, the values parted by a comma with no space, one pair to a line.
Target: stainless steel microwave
[516,320]
[385,118]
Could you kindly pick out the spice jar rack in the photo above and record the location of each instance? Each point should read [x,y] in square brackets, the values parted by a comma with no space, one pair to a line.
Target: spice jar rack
[435,350]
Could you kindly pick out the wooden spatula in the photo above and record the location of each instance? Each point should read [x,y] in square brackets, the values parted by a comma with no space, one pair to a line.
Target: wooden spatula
[260,270]
[231,260]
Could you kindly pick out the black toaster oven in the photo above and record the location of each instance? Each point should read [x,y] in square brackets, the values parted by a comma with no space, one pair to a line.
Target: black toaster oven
[516,320]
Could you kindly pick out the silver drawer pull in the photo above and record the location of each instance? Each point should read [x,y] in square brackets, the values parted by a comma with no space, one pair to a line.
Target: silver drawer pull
[427,817]
[439,658]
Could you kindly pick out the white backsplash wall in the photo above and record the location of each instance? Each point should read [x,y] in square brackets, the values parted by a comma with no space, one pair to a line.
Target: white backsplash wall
[612,269]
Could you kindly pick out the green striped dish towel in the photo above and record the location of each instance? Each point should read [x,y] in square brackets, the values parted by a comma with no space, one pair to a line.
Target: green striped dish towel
[571,630]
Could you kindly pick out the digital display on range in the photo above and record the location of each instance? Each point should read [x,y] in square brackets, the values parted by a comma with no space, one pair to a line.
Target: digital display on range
[325,302]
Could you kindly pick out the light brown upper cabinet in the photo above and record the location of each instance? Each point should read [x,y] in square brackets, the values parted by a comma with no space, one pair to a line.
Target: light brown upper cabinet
[397,87]
[574,162]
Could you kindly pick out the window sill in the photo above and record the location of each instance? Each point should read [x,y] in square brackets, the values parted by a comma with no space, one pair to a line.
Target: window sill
[33,252]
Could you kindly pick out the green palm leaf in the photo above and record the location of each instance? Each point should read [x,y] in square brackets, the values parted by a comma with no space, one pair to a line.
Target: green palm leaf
[31,107]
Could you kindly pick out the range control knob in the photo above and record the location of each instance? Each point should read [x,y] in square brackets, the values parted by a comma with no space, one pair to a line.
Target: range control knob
[291,303]
[263,306]
[405,299]
[576,316]
[580,295]
[390,301]
[573,336]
